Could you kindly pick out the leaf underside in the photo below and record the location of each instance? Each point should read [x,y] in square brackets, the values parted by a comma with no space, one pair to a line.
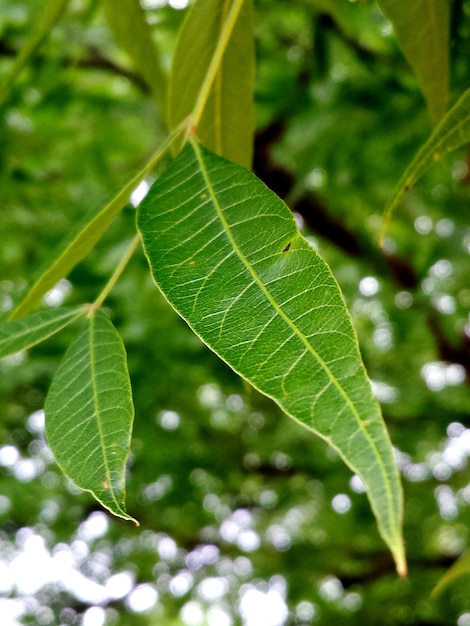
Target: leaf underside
[227,255]
[89,414]
[29,331]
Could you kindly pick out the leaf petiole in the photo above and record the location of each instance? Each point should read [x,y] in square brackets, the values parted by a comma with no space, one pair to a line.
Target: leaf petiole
[116,274]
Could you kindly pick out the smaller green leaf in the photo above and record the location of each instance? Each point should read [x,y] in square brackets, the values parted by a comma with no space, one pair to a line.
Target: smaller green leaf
[89,414]
[86,238]
[422,30]
[27,332]
[451,133]
[126,19]
[51,13]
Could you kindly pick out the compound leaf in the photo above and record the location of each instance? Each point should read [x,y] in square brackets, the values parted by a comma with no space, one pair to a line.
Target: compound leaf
[89,413]
[227,254]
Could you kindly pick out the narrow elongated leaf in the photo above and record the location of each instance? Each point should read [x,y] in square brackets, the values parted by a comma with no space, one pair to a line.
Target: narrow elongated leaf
[461,567]
[227,254]
[85,239]
[73,253]
[227,124]
[422,30]
[51,13]
[89,414]
[27,332]
[452,132]
[126,19]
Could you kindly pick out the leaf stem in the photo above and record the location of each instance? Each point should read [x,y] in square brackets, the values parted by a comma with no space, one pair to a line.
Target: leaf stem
[117,273]
[214,65]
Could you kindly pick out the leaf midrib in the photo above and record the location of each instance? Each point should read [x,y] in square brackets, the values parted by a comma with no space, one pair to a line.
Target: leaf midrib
[296,331]
[98,413]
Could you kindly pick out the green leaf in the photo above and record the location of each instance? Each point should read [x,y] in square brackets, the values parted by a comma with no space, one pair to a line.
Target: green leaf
[51,13]
[27,332]
[461,567]
[74,252]
[422,30]
[452,132]
[227,254]
[86,238]
[89,414]
[126,19]
[227,123]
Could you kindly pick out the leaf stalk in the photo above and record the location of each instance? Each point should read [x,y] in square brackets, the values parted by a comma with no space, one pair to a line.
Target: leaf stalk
[117,273]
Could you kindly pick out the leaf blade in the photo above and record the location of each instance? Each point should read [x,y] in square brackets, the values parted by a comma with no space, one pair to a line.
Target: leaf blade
[23,334]
[422,29]
[452,132]
[89,414]
[227,255]
[227,123]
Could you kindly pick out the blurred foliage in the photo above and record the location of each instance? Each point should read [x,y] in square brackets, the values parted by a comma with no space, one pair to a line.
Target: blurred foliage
[232,497]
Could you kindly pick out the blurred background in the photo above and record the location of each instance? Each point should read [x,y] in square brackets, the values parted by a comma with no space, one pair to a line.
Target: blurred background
[245,517]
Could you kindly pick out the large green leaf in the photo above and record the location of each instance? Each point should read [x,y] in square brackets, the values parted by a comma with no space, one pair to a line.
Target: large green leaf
[227,254]
[126,19]
[41,28]
[422,30]
[27,332]
[452,132]
[227,122]
[89,413]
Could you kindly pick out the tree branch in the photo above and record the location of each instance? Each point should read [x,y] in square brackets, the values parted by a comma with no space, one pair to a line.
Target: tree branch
[319,219]
[95,60]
